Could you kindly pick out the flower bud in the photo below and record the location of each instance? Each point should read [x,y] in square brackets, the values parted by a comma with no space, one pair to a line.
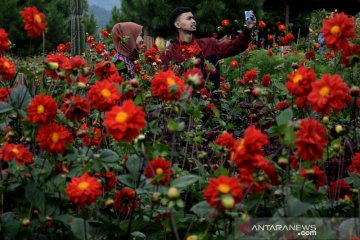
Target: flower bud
[53,65]
[81,85]
[25,222]
[325,120]
[192,237]
[339,128]
[155,197]
[354,91]
[173,193]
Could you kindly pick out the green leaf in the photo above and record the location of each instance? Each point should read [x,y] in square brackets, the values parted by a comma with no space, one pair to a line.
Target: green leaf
[5,107]
[127,180]
[9,226]
[289,136]
[19,97]
[35,196]
[133,164]
[175,127]
[138,234]
[77,228]
[356,180]
[109,156]
[284,117]
[296,208]
[201,209]
[185,181]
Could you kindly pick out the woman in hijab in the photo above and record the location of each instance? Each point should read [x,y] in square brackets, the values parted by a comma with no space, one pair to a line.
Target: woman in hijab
[128,42]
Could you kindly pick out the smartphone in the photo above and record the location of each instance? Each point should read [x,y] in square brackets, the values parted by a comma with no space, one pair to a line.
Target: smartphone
[249,15]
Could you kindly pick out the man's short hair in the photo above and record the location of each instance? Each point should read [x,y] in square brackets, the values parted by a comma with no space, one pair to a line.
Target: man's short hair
[176,12]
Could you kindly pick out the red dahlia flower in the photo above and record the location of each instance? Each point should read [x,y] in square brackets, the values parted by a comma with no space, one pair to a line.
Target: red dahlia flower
[223,192]
[83,190]
[331,92]
[300,82]
[167,86]
[311,139]
[17,152]
[159,170]
[103,95]
[124,201]
[125,121]
[34,21]
[54,138]
[337,30]
[42,109]
[4,41]
[248,152]
[355,164]
[7,69]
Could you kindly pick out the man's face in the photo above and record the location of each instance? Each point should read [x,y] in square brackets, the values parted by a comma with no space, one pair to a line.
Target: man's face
[186,22]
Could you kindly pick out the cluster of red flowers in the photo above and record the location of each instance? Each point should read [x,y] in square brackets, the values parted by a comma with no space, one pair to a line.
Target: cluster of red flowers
[4,93]
[83,190]
[167,86]
[250,76]
[125,121]
[34,21]
[288,39]
[61,48]
[17,152]
[355,164]
[75,108]
[152,55]
[4,41]
[159,170]
[90,137]
[314,174]
[339,189]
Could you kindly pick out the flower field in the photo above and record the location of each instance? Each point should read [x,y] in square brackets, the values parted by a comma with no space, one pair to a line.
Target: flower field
[88,154]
